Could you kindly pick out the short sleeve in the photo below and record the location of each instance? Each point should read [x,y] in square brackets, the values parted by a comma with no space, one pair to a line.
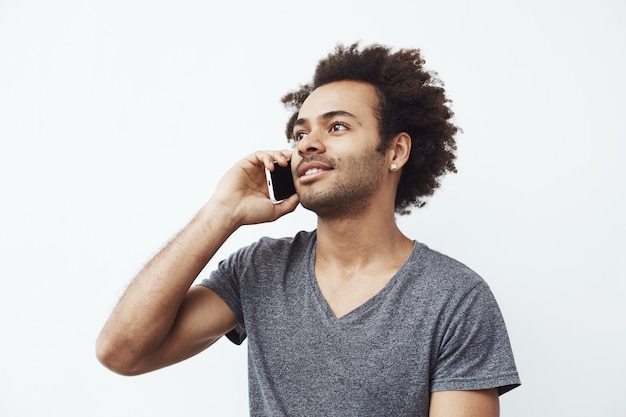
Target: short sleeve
[475,351]
[225,283]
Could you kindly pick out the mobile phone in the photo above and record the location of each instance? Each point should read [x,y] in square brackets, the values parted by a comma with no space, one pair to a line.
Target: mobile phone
[280,182]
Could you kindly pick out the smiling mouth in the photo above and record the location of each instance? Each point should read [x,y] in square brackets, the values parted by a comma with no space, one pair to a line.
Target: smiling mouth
[312,174]
[312,171]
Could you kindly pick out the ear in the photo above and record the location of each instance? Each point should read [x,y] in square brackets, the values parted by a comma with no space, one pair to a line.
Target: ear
[399,151]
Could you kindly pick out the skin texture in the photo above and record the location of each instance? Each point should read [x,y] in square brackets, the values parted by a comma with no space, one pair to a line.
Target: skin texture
[159,320]
[351,263]
[350,178]
[411,99]
[483,403]
[341,176]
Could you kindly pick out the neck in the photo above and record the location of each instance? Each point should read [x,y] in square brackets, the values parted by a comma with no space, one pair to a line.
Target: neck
[361,241]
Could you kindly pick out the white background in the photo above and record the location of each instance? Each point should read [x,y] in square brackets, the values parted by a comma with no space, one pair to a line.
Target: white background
[118,117]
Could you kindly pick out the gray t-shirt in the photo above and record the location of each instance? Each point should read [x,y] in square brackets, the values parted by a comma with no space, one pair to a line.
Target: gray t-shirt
[434,327]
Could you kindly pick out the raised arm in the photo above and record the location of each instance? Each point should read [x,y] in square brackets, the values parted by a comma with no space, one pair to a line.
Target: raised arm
[159,320]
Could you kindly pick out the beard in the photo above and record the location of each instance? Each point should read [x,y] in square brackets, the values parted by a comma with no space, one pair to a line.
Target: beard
[350,191]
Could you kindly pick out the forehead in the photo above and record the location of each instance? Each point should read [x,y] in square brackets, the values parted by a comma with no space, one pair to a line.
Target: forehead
[355,97]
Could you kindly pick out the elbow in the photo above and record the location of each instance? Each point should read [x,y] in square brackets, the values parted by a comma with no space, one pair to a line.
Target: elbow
[116,357]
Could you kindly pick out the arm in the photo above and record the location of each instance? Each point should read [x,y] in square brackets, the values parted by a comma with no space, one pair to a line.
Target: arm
[159,320]
[482,403]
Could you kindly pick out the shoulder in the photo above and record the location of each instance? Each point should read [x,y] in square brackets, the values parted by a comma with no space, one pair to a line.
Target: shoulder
[283,246]
[444,271]
[279,249]
[302,238]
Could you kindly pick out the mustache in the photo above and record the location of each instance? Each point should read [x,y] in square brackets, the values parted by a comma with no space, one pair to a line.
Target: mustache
[331,162]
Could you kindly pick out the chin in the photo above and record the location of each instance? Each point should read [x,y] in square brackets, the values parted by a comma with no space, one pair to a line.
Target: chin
[336,205]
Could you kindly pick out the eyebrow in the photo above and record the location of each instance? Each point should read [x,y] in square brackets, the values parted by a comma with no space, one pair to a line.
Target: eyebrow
[329,115]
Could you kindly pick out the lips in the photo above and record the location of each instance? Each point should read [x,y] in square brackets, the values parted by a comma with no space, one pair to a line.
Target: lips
[311,170]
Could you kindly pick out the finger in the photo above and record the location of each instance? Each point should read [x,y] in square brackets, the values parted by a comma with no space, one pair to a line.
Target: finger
[262,158]
[285,155]
[286,206]
[269,157]
[281,157]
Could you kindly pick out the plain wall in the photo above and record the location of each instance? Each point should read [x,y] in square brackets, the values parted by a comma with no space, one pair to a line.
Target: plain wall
[117,119]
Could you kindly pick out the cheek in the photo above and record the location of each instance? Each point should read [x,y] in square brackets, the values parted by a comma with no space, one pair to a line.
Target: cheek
[295,160]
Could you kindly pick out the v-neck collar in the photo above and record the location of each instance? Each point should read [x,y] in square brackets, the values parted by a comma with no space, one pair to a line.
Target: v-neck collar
[357,312]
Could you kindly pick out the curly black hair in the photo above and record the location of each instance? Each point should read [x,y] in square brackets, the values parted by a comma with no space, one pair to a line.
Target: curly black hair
[410,99]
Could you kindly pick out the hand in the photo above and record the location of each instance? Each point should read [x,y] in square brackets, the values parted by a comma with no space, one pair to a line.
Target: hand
[243,192]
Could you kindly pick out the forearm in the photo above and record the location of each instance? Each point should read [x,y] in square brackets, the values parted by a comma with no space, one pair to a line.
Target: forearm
[158,320]
[144,315]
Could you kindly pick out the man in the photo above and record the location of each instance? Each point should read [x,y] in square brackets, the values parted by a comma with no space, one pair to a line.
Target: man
[354,318]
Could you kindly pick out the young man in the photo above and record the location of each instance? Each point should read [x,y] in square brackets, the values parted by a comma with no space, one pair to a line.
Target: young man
[354,318]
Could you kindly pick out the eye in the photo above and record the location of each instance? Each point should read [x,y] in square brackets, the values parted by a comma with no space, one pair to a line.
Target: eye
[337,127]
[298,136]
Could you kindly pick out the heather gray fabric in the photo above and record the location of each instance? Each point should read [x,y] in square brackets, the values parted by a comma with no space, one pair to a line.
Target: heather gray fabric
[435,326]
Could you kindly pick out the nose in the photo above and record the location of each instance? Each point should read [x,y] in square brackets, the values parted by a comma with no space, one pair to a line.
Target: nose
[310,144]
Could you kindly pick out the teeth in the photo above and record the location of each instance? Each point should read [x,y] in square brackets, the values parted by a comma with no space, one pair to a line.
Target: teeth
[312,171]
